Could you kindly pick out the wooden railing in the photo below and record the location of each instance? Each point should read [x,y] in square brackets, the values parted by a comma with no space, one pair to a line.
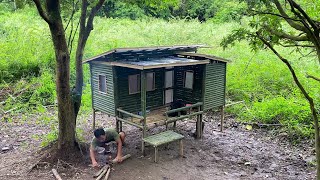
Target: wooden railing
[179,110]
[119,118]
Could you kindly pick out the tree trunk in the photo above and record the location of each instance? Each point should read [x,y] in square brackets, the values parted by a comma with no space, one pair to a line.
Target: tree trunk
[84,33]
[79,80]
[66,116]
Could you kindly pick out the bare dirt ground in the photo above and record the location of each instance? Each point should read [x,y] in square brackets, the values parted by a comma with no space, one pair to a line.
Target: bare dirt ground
[233,154]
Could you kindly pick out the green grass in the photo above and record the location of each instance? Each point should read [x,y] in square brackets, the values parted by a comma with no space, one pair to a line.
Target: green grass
[259,78]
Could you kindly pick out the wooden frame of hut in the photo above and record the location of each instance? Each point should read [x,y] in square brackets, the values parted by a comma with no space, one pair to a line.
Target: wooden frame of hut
[137,85]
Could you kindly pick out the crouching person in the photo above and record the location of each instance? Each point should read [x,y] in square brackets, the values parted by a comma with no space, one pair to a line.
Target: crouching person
[101,138]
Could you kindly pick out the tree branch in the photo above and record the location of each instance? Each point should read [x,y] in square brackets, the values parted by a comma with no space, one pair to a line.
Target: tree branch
[313,77]
[305,15]
[297,45]
[288,19]
[74,6]
[287,36]
[274,14]
[295,78]
[314,35]
[93,12]
[41,11]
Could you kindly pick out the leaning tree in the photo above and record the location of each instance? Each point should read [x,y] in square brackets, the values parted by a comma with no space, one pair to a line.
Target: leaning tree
[290,24]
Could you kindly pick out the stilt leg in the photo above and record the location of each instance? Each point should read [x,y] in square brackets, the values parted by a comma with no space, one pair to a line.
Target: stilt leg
[94,119]
[181,147]
[117,125]
[222,118]
[155,154]
[120,126]
[143,148]
[198,127]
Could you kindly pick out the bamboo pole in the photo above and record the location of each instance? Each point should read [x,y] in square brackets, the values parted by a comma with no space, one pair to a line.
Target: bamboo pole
[100,171]
[56,175]
[107,175]
[129,122]
[123,158]
[130,114]
[104,171]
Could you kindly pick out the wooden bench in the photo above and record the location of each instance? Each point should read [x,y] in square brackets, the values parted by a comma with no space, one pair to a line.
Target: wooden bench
[164,138]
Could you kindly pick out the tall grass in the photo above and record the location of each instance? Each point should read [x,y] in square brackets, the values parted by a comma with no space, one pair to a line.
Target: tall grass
[259,78]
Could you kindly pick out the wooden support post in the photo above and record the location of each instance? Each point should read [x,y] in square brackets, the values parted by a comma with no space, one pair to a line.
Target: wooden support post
[143,106]
[94,119]
[204,77]
[117,121]
[198,125]
[120,126]
[117,125]
[181,147]
[222,118]
[156,154]
[175,122]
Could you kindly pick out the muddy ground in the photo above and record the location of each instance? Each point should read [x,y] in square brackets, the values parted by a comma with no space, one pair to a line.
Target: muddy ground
[236,153]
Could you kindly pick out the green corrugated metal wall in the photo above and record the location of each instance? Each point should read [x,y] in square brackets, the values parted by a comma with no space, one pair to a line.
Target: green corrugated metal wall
[189,95]
[132,102]
[102,102]
[215,82]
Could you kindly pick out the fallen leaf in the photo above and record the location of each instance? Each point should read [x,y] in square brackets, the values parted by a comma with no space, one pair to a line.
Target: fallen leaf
[249,127]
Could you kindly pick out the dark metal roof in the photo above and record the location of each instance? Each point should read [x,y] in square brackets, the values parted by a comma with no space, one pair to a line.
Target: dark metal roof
[143,52]
[153,63]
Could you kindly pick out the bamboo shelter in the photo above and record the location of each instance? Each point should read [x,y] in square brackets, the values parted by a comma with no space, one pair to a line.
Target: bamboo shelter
[138,86]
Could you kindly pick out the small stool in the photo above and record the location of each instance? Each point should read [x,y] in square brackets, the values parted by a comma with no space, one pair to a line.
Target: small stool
[164,138]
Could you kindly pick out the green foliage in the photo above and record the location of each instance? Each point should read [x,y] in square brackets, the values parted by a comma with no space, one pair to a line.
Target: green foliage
[228,11]
[279,110]
[49,138]
[118,9]
[25,49]
[202,10]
